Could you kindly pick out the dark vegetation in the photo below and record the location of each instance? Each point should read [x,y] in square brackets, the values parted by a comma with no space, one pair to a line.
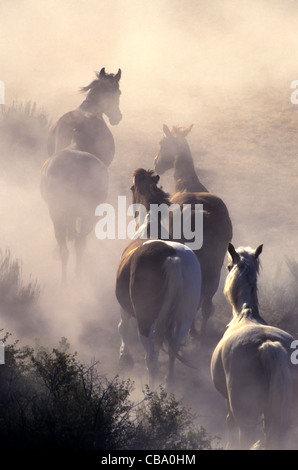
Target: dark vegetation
[49,401]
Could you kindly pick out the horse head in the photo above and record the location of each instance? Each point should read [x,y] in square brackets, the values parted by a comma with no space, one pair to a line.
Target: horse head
[104,96]
[241,282]
[147,196]
[170,146]
[145,190]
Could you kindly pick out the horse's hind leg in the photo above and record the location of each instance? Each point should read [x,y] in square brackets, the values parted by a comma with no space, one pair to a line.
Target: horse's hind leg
[61,237]
[207,312]
[207,309]
[83,226]
[233,431]
[151,356]
[125,358]
[80,245]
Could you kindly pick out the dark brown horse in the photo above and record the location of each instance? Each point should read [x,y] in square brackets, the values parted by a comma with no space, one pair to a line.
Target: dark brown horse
[73,183]
[158,283]
[102,98]
[217,227]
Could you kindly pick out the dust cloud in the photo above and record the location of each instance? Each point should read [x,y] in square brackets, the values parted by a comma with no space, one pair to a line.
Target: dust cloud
[224,66]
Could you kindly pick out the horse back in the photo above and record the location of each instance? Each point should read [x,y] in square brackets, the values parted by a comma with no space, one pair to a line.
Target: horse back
[217,226]
[60,134]
[97,140]
[213,206]
[74,178]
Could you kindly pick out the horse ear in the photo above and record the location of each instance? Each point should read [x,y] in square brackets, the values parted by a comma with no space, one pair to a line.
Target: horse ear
[187,130]
[233,253]
[166,131]
[118,75]
[139,176]
[258,251]
[102,73]
[156,179]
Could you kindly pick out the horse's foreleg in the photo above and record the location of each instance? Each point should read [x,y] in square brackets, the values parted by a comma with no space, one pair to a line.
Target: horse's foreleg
[207,309]
[125,358]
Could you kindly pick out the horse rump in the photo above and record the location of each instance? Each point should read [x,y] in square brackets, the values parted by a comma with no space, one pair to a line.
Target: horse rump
[276,366]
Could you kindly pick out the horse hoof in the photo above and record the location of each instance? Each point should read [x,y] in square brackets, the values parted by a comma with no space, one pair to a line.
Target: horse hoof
[126,361]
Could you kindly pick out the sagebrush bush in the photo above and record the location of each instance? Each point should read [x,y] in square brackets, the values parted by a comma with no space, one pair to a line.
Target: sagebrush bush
[16,296]
[164,423]
[49,401]
[23,126]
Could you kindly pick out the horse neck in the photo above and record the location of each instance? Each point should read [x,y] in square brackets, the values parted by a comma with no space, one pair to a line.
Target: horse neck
[185,176]
[90,107]
[91,103]
[247,301]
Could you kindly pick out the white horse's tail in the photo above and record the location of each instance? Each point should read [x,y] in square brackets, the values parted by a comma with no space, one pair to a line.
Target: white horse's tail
[275,361]
[170,312]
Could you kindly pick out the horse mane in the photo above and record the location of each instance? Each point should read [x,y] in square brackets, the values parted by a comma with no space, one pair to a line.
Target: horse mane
[242,275]
[103,80]
[145,185]
[247,313]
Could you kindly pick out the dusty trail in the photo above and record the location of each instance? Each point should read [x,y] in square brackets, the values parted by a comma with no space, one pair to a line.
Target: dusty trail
[225,67]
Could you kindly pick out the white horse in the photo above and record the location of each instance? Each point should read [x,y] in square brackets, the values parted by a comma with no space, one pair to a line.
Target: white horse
[251,364]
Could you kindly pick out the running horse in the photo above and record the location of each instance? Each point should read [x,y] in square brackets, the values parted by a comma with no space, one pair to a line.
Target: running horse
[103,95]
[251,365]
[73,182]
[74,179]
[158,283]
[175,153]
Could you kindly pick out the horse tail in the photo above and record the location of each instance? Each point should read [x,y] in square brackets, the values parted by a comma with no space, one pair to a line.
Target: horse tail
[275,362]
[166,323]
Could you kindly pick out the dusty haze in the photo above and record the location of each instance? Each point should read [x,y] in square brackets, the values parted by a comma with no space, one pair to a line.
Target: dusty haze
[224,66]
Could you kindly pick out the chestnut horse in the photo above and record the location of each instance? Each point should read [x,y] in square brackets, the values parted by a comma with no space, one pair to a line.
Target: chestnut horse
[158,283]
[102,98]
[217,227]
[251,364]
[73,183]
